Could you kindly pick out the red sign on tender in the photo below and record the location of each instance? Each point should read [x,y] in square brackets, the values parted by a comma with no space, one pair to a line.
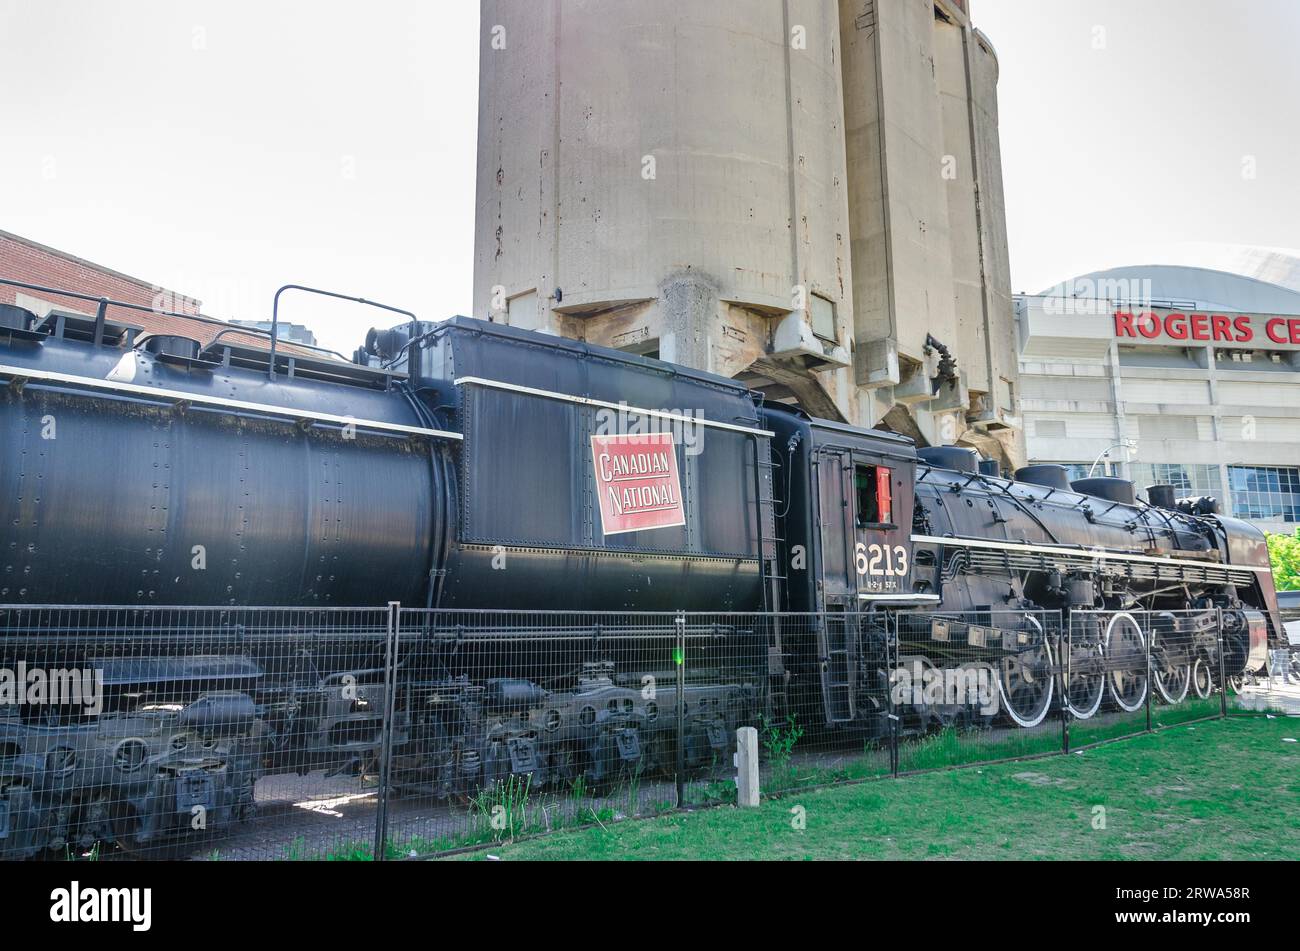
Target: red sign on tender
[637,481]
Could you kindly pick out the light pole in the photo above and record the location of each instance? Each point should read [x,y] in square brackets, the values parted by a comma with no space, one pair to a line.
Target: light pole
[1105,453]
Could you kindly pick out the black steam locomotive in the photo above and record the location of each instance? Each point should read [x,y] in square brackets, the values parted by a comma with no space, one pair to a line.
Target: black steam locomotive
[467,467]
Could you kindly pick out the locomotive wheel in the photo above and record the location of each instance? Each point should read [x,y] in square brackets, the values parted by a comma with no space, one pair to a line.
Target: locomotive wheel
[1172,681]
[1126,657]
[1202,678]
[1085,686]
[1025,685]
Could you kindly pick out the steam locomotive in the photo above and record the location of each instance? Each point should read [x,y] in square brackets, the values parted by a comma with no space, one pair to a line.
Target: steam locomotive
[471,469]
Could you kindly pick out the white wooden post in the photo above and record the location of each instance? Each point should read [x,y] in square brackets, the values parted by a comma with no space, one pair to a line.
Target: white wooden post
[746,761]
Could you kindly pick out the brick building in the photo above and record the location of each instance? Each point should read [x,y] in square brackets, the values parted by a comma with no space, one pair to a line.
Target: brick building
[29,262]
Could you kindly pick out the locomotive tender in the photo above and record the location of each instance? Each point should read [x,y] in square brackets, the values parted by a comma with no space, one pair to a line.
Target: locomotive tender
[466,466]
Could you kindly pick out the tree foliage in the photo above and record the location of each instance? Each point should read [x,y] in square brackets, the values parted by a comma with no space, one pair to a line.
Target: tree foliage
[1284,552]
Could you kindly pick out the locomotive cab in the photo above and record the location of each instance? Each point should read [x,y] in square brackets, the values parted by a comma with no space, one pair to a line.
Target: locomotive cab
[844,513]
[847,494]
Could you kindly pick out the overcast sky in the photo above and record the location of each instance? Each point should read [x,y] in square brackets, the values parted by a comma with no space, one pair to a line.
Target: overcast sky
[224,148]
[1130,130]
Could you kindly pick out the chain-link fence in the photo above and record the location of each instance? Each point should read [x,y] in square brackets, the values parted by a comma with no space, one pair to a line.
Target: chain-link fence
[151,730]
[1275,689]
[233,733]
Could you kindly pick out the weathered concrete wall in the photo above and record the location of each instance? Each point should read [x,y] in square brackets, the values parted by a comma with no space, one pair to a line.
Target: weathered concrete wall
[993,232]
[675,169]
[756,188]
[905,243]
[929,249]
[966,73]
[959,172]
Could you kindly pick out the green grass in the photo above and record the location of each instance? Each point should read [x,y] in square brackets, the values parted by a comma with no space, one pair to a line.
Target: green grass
[956,748]
[1192,708]
[364,851]
[948,748]
[1218,789]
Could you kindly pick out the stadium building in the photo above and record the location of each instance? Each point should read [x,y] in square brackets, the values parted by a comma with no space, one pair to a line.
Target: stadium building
[1171,374]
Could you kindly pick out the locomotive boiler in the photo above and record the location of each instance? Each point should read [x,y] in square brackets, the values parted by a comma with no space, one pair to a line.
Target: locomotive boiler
[475,471]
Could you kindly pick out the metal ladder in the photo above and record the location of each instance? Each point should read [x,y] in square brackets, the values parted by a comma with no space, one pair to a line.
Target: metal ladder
[772,547]
[838,636]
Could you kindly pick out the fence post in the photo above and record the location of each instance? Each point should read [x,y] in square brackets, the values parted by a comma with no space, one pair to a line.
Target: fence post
[747,789]
[1223,671]
[386,743]
[891,658]
[1150,687]
[680,658]
[1066,626]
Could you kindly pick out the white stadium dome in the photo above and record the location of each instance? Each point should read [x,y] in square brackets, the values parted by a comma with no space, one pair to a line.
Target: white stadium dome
[1228,277]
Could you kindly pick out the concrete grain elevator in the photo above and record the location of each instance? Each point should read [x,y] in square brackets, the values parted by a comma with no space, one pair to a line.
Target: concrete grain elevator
[802,194]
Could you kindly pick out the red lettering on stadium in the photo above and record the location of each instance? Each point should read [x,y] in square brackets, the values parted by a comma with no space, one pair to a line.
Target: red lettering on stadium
[1178,326]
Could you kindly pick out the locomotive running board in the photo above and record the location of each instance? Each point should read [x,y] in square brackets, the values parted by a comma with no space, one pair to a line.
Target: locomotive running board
[900,598]
[1082,556]
[287,413]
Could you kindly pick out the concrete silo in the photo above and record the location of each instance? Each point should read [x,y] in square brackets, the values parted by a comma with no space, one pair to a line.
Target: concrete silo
[669,178]
[751,187]
[930,265]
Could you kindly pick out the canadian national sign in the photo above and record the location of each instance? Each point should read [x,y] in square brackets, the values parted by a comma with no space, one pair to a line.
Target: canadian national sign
[637,482]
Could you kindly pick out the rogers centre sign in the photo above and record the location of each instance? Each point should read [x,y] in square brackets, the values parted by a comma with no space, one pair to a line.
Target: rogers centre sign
[1178,328]
[637,482]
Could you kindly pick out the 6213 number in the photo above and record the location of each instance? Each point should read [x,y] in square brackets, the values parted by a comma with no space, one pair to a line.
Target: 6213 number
[880,559]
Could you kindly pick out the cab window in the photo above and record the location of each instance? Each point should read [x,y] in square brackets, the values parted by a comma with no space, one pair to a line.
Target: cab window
[871,488]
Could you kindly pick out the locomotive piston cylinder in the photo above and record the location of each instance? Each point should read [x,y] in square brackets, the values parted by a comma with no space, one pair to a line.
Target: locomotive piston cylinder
[1080,592]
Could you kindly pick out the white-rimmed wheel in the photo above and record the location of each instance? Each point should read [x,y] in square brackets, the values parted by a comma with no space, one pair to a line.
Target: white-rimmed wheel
[1085,680]
[1025,681]
[1170,668]
[1126,662]
[1202,678]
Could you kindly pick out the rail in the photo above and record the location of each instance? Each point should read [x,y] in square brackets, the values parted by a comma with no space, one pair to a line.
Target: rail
[103,303]
[275,312]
